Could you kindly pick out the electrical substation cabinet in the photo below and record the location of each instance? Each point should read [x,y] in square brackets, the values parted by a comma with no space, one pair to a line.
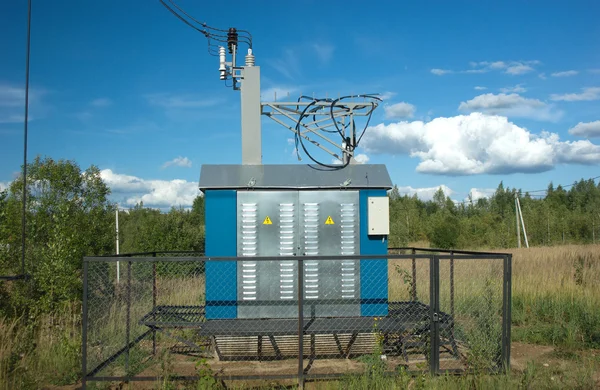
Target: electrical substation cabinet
[378,214]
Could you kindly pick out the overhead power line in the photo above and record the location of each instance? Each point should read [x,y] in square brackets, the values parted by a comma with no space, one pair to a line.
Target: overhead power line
[211,33]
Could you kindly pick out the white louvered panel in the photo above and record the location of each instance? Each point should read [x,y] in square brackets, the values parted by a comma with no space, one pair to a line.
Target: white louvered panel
[249,248]
[287,247]
[348,222]
[311,248]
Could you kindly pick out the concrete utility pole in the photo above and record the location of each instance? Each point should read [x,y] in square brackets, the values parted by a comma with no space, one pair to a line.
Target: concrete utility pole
[517,220]
[248,77]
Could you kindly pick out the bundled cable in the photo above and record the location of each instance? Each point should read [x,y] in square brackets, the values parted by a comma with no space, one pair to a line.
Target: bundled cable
[335,105]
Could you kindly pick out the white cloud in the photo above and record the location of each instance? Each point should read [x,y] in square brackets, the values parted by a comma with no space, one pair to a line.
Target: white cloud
[566,73]
[594,71]
[130,190]
[479,88]
[477,144]
[324,52]
[425,193]
[399,110]
[12,103]
[588,130]
[592,93]
[509,67]
[167,100]
[440,72]
[480,193]
[542,76]
[512,105]
[3,186]
[387,95]
[361,158]
[517,69]
[178,162]
[101,102]
[516,89]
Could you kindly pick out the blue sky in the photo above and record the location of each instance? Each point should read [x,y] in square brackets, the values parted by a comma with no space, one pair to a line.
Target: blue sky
[476,92]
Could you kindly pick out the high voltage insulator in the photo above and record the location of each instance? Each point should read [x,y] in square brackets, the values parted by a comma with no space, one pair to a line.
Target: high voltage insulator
[232,39]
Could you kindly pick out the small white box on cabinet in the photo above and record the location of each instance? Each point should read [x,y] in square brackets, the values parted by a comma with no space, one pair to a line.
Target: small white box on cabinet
[378,215]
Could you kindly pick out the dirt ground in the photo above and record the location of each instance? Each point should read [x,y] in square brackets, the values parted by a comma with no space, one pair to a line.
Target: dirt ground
[521,354]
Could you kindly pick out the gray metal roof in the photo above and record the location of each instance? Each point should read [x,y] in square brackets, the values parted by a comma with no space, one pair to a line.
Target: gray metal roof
[296,176]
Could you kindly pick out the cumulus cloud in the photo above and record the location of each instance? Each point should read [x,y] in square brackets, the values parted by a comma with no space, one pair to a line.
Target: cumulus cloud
[440,72]
[425,193]
[3,186]
[387,95]
[479,88]
[178,162]
[477,144]
[566,73]
[131,190]
[516,89]
[480,193]
[361,158]
[512,105]
[399,110]
[591,93]
[518,69]
[588,130]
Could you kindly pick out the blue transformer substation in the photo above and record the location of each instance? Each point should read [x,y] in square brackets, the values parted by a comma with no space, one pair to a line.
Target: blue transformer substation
[295,210]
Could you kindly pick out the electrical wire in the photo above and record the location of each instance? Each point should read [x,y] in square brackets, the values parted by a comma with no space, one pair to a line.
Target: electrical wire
[243,36]
[334,104]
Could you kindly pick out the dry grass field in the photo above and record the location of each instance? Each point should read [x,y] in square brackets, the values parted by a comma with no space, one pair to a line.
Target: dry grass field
[555,309]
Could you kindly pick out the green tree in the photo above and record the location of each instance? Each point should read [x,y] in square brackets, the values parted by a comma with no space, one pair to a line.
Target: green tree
[68,217]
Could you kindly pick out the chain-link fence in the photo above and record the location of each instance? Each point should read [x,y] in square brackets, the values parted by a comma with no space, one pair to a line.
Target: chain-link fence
[186,316]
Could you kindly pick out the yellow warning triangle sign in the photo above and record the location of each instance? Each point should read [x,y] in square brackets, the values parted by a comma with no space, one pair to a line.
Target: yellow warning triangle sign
[329,221]
[267,221]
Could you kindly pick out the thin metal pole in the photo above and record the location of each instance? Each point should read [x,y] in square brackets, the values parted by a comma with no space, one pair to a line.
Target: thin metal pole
[117,243]
[413,292]
[154,295]
[128,323]
[434,280]
[452,286]
[84,322]
[25,129]
[300,324]
[506,310]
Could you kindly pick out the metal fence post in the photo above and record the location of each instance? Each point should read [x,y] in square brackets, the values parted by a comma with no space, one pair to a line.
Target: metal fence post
[128,322]
[84,327]
[154,295]
[506,312]
[413,291]
[300,324]
[434,336]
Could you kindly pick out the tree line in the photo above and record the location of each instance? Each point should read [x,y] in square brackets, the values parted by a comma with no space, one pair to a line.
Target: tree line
[69,216]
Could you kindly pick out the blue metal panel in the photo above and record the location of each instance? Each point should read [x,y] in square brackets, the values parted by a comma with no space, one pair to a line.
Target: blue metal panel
[221,285]
[373,273]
